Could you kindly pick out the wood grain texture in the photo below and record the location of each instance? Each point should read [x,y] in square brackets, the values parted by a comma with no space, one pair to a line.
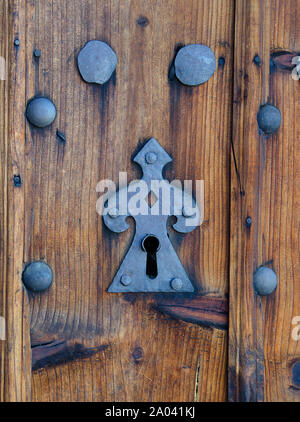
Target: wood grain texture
[15,354]
[205,310]
[265,186]
[140,354]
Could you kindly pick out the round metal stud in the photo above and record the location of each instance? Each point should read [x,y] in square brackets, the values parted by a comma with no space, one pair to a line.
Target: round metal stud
[113,213]
[269,119]
[40,111]
[176,284]
[125,280]
[264,281]
[37,276]
[96,62]
[195,64]
[151,157]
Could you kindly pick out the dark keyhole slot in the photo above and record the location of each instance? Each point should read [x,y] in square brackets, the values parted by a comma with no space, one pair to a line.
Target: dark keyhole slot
[151,245]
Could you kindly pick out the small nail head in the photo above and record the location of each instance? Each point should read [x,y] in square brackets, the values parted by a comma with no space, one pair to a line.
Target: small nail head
[17,42]
[176,284]
[37,276]
[151,157]
[248,221]
[257,60]
[264,281]
[125,280]
[37,53]
[113,213]
[17,180]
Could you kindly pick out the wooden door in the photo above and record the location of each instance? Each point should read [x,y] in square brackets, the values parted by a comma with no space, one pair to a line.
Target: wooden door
[76,341]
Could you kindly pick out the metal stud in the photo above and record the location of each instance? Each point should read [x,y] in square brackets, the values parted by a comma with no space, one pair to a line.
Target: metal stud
[150,157]
[195,64]
[37,53]
[269,119]
[37,276]
[125,280]
[264,281]
[96,62]
[40,112]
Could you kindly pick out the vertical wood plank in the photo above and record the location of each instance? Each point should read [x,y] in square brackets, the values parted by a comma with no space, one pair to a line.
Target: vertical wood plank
[264,177]
[3,187]
[16,352]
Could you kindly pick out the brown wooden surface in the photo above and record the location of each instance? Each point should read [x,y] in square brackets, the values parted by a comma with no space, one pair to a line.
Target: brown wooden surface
[15,357]
[88,344]
[264,185]
[109,346]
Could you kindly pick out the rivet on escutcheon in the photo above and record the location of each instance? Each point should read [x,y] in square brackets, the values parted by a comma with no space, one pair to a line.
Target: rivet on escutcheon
[264,281]
[96,62]
[176,284]
[195,64]
[125,280]
[40,112]
[150,157]
[37,276]
[269,119]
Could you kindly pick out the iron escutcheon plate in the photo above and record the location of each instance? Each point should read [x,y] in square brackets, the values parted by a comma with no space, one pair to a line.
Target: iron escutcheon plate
[168,274]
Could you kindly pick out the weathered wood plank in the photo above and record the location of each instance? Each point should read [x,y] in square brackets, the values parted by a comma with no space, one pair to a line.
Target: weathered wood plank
[3,189]
[149,356]
[15,350]
[265,181]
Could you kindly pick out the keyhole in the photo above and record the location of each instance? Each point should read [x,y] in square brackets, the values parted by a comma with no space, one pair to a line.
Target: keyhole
[151,245]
